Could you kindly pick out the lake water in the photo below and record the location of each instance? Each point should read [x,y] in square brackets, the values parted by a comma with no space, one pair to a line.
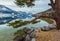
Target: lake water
[6,32]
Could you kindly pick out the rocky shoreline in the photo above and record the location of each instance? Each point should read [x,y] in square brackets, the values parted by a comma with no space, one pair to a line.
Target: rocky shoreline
[30,34]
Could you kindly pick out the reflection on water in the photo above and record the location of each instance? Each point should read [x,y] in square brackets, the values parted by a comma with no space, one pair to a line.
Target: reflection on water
[39,24]
[6,32]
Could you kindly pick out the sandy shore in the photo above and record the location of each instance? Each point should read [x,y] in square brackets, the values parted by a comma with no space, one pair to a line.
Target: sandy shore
[53,35]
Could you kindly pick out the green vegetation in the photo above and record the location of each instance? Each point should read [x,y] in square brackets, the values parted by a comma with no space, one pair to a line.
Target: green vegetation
[19,23]
[24,2]
[20,33]
[47,20]
[34,22]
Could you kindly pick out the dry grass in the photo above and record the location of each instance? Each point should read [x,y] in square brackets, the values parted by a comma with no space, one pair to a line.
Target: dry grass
[53,35]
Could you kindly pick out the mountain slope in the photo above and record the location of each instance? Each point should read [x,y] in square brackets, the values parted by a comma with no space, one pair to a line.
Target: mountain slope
[46,12]
[7,14]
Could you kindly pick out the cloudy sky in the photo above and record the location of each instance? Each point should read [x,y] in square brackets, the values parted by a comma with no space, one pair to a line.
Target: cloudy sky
[40,5]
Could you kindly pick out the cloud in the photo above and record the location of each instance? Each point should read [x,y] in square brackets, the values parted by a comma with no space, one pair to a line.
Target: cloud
[6,2]
[40,5]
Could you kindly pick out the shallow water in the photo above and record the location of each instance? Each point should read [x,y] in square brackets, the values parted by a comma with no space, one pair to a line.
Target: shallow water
[6,32]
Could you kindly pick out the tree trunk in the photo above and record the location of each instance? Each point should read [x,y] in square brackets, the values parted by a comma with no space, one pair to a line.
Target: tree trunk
[56,7]
[57,10]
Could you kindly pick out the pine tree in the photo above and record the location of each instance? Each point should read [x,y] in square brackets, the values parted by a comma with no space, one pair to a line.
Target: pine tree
[24,2]
[54,4]
[56,7]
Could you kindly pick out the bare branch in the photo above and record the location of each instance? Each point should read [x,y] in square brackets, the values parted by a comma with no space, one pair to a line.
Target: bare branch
[52,4]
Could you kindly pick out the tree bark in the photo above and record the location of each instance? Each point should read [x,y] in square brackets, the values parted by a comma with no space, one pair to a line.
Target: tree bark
[57,10]
[56,7]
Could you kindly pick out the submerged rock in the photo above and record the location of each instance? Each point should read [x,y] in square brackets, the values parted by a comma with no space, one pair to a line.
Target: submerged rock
[27,38]
[33,39]
[18,38]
